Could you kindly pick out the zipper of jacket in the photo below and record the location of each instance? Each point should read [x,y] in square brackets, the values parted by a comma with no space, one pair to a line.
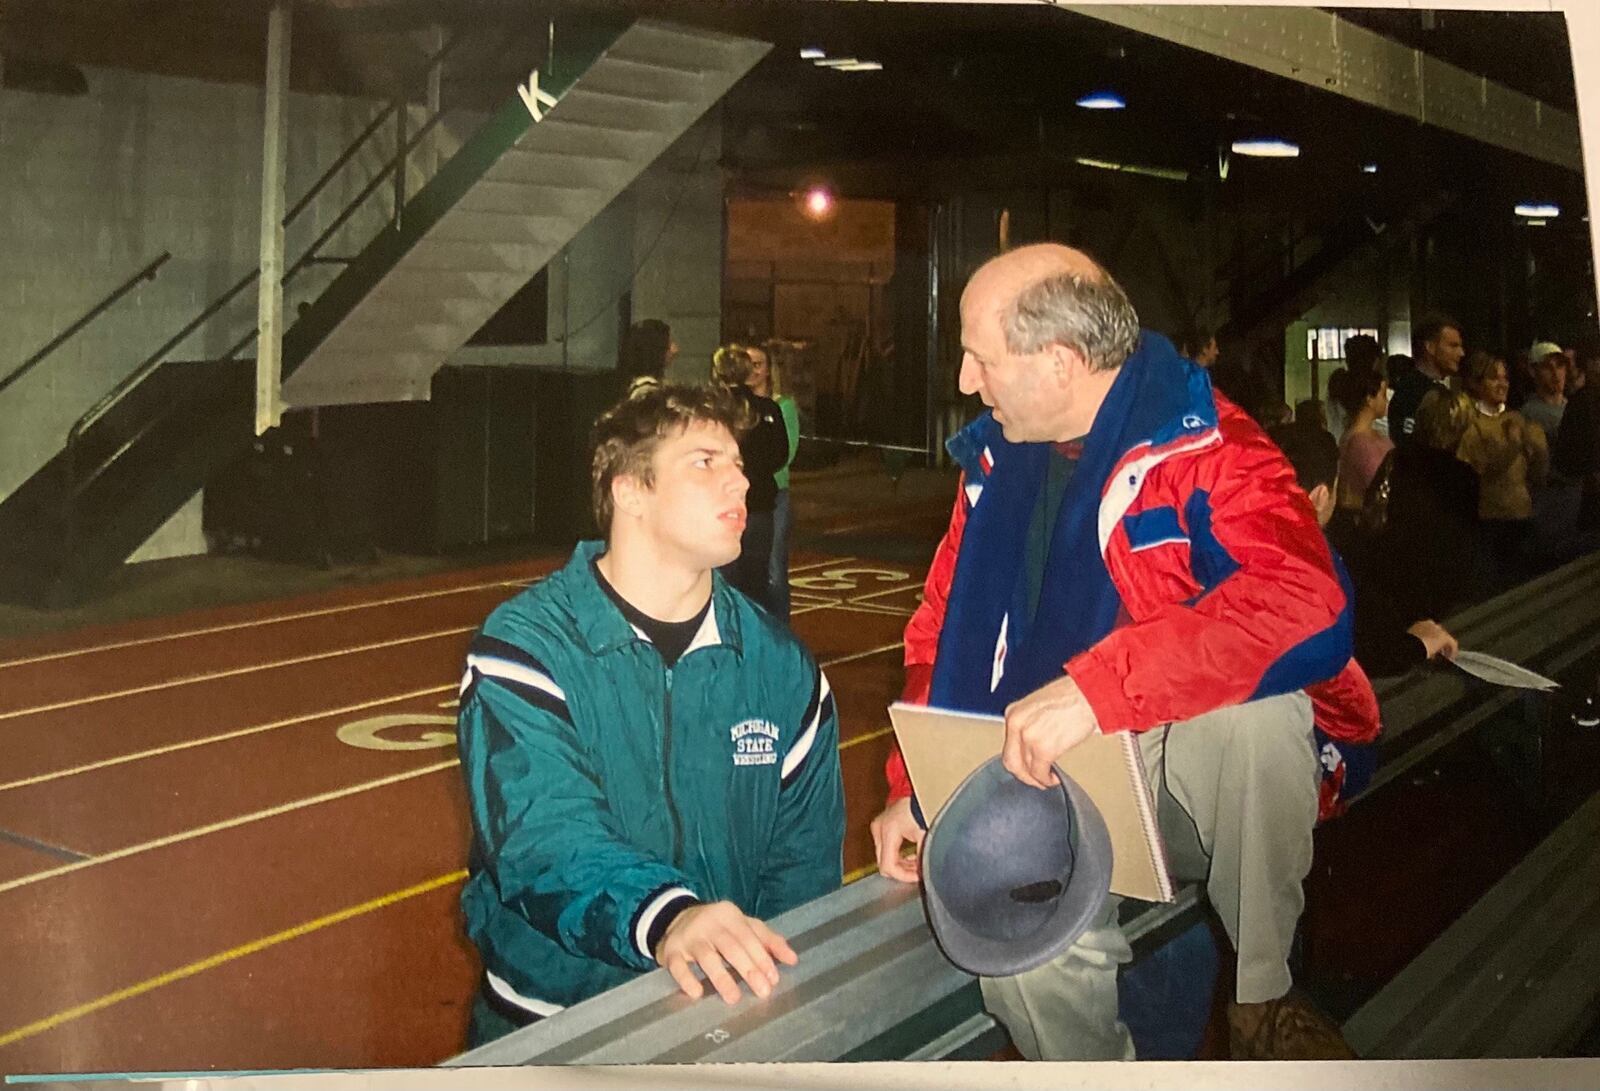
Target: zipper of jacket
[666,774]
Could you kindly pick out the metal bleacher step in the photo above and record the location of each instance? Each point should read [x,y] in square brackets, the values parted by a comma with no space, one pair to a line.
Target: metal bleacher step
[1518,975]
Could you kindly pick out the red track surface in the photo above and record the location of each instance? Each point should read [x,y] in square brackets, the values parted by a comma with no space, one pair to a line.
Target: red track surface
[199,869]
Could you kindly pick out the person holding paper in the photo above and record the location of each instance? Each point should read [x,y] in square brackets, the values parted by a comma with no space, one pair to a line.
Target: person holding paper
[651,761]
[1129,552]
[1388,639]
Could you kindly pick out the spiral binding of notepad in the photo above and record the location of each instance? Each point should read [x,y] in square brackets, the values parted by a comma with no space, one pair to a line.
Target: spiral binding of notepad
[1147,813]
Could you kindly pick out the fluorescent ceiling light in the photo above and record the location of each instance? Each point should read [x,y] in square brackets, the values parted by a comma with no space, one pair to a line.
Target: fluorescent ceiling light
[1538,211]
[1266,149]
[1103,100]
[835,62]
[858,66]
[812,53]
[1164,173]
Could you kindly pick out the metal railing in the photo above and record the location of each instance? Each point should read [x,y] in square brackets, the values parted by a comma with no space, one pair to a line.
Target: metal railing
[149,272]
[80,479]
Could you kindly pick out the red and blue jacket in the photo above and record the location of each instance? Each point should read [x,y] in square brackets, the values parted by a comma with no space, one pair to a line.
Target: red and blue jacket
[1228,590]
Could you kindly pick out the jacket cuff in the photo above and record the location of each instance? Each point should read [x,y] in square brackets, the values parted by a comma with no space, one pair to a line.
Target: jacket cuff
[1103,691]
[658,911]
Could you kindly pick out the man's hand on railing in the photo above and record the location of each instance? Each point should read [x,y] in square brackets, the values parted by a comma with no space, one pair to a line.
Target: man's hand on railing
[892,831]
[715,937]
[1435,638]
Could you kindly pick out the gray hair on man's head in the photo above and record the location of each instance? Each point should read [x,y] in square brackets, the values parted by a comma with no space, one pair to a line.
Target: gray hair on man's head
[1087,313]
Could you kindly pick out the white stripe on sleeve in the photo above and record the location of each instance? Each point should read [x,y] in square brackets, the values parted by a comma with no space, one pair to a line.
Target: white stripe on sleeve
[802,745]
[641,931]
[515,672]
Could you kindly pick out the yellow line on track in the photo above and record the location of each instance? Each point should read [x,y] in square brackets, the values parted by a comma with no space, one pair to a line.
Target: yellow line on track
[872,608]
[868,737]
[156,752]
[51,1022]
[234,672]
[819,564]
[225,824]
[910,585]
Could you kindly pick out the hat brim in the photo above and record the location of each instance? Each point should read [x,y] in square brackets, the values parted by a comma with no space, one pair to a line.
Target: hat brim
[1080,903]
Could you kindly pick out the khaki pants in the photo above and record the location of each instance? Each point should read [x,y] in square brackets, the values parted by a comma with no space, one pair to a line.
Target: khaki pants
[1236,793]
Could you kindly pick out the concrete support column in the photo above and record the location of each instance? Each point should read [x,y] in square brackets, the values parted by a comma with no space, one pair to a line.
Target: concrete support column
[274,164]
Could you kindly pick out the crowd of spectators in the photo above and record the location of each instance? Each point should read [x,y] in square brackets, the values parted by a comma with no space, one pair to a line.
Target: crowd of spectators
[1449,476]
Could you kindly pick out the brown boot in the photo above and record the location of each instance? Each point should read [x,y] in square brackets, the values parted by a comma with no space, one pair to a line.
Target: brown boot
[1290,1028]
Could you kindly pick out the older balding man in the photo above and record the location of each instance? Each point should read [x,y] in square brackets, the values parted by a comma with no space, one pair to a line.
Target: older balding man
[1129,552]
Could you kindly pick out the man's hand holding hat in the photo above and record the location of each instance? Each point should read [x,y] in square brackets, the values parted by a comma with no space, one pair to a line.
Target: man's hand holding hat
[1044,725]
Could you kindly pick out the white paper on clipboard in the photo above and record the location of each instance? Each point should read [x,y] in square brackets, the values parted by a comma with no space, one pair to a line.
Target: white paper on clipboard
[1502,672]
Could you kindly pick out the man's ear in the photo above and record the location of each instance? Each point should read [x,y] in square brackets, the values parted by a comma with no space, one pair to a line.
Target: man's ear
[1322,500]
[1066,364]
[627,495]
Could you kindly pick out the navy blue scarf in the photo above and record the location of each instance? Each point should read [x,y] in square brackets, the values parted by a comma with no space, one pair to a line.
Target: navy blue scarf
[1157,397]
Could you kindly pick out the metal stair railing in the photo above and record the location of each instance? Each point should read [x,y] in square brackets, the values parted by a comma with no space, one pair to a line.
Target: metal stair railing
[395,167]
[80,479]
[149,272]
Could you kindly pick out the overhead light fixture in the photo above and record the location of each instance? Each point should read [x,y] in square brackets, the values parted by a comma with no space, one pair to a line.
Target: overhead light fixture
[1532,211]
[1262,148]
[859,66]
[817,202]
[1369,168]
[835,62]
[812,53]
[1167,174]
[1103,100]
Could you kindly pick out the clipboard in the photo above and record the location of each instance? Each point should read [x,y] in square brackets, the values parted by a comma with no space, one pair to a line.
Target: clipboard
[942,748]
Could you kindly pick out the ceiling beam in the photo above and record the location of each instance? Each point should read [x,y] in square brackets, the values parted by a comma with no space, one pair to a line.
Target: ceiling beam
[1320,49]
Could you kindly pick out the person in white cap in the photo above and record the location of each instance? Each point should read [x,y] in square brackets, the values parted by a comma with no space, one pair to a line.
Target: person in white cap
[1548,402]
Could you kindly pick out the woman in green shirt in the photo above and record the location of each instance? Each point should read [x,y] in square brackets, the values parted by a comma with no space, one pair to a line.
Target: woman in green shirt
[767,384]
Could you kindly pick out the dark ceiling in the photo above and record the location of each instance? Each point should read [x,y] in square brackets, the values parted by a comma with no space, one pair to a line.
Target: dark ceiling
[965,88]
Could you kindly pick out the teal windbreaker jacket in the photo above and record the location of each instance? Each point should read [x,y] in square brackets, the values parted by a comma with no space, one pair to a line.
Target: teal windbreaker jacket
[608,793]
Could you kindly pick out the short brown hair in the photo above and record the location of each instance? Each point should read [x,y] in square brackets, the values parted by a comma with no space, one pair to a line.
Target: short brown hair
[1477,368]
[626,436]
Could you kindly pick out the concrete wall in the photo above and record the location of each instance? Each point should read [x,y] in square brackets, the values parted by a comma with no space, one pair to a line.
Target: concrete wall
[94,186]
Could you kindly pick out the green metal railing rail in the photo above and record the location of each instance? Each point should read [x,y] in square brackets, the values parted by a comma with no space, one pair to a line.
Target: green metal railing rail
[149,272]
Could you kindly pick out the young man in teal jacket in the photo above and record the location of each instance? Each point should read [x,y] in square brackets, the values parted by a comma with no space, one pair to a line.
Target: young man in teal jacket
[651,761]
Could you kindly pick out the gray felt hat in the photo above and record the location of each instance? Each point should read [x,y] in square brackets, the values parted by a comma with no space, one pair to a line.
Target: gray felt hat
[1012,875]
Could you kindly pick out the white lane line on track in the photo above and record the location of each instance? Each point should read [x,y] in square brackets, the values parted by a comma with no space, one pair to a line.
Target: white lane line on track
[234,672]
[235,626]
[287,808]
[225,824]
[256,729]
[863,655]
[302,615]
